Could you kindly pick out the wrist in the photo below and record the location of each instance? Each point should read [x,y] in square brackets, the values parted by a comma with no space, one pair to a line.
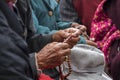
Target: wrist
[39,70]
[53,37]
[39,63]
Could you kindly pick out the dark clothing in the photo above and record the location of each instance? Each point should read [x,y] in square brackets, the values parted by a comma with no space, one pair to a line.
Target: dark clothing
[115,72]
[34,42]
[112,7]
[14,40]
[113,52]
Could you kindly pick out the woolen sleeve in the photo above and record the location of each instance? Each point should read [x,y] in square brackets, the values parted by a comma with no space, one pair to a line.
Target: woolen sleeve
[33,65]
[38,41]
[14,60]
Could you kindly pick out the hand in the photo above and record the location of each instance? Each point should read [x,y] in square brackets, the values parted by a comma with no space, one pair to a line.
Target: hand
[52,55]
[89,42]
[74,24]
[83,30]
[81,27]
[73,38]
[61,35]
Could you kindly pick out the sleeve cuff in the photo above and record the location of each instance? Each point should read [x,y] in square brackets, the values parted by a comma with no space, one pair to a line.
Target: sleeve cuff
[39,71]
[82,40]
[33,65]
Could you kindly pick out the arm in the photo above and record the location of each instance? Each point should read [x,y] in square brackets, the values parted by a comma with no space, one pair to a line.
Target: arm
[38,41]
[13,57]
[39,28]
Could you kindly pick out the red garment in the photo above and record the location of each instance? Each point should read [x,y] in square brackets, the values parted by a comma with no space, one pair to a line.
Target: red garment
[44,77]
[86,9]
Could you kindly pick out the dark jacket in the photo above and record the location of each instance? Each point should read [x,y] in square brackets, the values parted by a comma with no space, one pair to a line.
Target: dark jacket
[17,41]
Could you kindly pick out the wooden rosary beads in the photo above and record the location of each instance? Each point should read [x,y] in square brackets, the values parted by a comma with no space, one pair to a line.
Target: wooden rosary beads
[69,69]
[67,59]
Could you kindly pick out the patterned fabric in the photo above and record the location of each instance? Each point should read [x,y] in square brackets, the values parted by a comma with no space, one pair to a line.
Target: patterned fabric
[103,31]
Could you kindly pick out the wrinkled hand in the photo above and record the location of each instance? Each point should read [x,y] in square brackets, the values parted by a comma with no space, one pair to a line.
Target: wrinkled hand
[52,55]
[61,35]
[83,30]
[74,24]
[81,27]
[89,42]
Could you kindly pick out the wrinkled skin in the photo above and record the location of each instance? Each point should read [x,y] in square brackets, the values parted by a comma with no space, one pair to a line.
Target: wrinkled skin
[61,35]
[74,24]
[54,53]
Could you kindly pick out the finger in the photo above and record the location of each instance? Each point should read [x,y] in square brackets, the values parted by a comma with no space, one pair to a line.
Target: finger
[73,31]
[63,45]
[65,52]
[73,40]
[78,27]
[64,34]
[53,43]
[62,59]
[77,33]
[69,30]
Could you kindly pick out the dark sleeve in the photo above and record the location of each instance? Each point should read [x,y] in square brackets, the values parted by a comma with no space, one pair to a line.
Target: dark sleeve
[33,65]
[68,12]
[115,72]
[14,62]
[38,41]
[35,41]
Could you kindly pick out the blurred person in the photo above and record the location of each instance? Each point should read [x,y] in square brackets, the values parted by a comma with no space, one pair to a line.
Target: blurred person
[18,41]
[81,11]
[106,32]
[46,17]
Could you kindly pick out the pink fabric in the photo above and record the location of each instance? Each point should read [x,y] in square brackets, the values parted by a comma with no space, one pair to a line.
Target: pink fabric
[44,77]
[103,31]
